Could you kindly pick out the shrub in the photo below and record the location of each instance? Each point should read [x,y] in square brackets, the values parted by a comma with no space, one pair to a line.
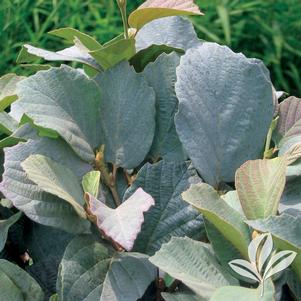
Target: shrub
[164,167]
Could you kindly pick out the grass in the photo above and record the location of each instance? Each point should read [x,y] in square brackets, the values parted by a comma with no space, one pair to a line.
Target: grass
[266,29]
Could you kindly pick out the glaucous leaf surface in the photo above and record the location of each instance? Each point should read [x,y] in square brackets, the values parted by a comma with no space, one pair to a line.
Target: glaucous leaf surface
[285,230]
[4,227]
[8,85]
[127,119]
[165,181]
[155,9]
[56,179]
[230,293]
[64,100]
[174,32]
[125,287]
[30,53]
[40,206]
[291,197]
[17,285]
[161,76]
[259,184]
[225,110]
[112,54]
[194,264]
[181,297]
[224,218]
[123,223]
[69,34]
[46,246]
[89,268]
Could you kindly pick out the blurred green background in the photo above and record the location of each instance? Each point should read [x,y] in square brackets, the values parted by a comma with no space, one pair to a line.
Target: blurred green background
[265,29]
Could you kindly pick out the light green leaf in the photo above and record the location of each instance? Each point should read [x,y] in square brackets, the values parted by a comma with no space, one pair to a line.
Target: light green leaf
[161,76]
[222,127]
[285,230]
[114,53]
[170,217]
[40,206]
[4,227]
[155,9]
[66,101]
[175,32]
[56,179]
[7,123]
[193,263]
[127,115]
[230,293]
[226,220]
[69,34]
[259,185]
[91,182]
[8,84]
[89,268]
[122,224]
[17,285]
[231,198]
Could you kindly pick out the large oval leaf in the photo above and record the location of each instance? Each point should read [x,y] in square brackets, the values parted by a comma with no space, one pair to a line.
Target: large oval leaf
[225,109]
[127,115]
[94,271]
[161,76]
[165,181]
[259,185]
[42,207]
[17,285]
[65,100]
[192,263]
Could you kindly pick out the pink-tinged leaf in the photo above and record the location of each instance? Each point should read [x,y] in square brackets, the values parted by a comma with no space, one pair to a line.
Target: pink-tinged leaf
[289,114]
[259,184]
[155,9]
[123,223]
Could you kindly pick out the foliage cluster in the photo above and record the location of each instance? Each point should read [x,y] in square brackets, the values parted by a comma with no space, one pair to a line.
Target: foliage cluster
[160,168]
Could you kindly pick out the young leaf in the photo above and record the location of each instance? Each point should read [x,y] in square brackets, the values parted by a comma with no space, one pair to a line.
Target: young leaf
[170,216]
[123,223]
[174,32]
[193,263]
[30,53]
[285,230]
[225,110]
[8,84]
[17,285]
[259,185]
[155,9]
[4,227]
[57,99]
[227,220]
[245,269]
[279,262]
[56,179]
[91,182]
[230,293]
[127,115]
[40,206]
[112,54]
[69,34]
